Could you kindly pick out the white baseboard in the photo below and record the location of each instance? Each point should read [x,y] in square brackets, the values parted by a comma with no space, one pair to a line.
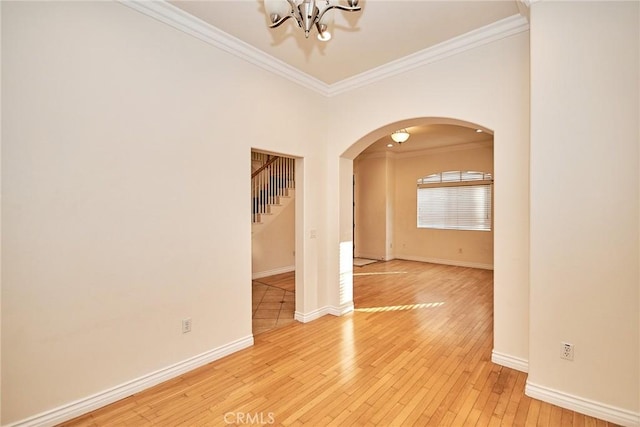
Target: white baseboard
[447,262]
[312,315]
[267,273]
[509,361]
[82,406]
[584,406]
[323,311]
[341,309]
[370,256]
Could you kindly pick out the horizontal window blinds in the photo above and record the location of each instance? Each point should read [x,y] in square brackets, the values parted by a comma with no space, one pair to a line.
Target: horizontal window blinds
[455,207]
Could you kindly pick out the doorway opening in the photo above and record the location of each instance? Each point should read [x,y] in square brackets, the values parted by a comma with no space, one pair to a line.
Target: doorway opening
[273,240]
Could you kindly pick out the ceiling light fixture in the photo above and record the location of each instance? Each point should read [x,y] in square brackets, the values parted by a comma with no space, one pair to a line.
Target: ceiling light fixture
[400,136]
[306,13]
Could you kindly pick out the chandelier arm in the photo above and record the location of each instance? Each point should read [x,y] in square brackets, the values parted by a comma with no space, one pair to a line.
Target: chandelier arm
[292,14]
[280,21]
[340,7]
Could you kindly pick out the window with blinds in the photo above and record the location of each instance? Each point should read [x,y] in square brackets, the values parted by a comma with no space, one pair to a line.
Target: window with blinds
[455,200]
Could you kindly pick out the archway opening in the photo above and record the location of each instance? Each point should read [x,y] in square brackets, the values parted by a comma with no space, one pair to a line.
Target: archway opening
[383,223]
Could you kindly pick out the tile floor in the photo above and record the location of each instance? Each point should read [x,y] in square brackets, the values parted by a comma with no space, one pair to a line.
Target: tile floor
[272,306]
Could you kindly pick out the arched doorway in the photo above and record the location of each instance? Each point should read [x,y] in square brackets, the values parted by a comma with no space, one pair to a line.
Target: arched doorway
[375,143]
[386,194]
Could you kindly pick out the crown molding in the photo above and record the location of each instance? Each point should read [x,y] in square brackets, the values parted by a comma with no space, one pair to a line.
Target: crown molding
[445,149]
[377,155]
[524,8]
[489,33]
[189,24]
[390,154]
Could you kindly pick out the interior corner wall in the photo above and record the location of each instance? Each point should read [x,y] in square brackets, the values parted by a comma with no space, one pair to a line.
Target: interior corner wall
[0,217]
[390,184]
[273,242]
[126,197]
[371,206]
[489,86]
[585,113]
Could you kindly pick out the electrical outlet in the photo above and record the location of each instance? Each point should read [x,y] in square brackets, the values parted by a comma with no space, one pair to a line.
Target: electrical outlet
[186,325]
[566,351]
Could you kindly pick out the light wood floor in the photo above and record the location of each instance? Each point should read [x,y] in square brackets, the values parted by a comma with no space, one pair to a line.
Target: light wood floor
[416,351]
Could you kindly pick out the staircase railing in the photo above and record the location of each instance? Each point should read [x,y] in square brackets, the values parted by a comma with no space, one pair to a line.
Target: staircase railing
[271,180]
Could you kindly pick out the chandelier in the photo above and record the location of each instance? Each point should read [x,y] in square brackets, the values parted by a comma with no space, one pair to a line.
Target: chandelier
[306,13]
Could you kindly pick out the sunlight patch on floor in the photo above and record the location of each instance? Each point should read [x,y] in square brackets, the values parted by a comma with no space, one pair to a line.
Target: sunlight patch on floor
[379,273]
[400,307]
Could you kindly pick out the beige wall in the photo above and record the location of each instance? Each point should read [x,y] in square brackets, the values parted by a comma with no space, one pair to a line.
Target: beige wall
[390,209]
[1,133]
[372,208]
[458,247]
[112,232]
[584,201]
[273,243]
[126,197]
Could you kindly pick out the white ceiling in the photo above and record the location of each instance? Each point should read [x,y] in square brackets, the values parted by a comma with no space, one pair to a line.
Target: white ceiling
[382,32]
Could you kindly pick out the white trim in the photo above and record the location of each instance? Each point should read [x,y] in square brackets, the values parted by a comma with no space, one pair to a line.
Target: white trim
[453,262]
[312,315]
[87,404]
[524,8]
[447,149]
[189,24]
[371,256]
[584,406]
[341,310]
[425,151]
[323,311]
[378,154]
[273,272]
[489,33]
[509,361]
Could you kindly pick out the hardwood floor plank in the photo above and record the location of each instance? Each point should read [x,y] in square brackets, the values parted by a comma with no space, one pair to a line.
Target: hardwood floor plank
[556,416]
[465,409]
[483,397]
[522,411]
[505,394]
[578,420]
[590,422]
[544,416]
[532,414]
[416,351]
